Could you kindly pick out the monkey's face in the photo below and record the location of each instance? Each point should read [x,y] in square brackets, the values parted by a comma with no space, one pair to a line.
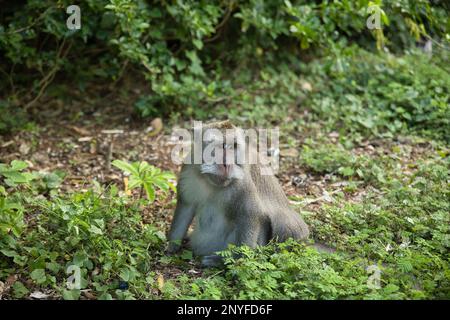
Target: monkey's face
[221,165]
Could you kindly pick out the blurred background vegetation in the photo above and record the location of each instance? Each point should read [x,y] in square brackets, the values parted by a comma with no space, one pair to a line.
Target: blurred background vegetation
[198,56]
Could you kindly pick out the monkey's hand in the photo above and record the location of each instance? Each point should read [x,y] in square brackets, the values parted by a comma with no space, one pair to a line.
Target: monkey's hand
[212,261]
[174,247]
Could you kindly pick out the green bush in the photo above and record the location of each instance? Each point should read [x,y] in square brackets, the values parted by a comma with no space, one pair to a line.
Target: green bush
[11,118]
[179,46]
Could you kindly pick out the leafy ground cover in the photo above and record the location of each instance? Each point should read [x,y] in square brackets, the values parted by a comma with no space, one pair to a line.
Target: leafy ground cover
[364,158]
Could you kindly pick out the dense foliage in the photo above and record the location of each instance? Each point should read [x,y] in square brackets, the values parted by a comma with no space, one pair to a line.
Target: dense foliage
[367,110]
[98,231]
[184,48]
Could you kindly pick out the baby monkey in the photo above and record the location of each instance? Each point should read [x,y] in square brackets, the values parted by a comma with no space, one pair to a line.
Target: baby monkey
[232,198]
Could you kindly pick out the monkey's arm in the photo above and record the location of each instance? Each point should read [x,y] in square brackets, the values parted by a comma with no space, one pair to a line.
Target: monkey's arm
[183,216]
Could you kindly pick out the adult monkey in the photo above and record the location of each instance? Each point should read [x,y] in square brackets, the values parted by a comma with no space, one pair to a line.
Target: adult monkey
[231,201]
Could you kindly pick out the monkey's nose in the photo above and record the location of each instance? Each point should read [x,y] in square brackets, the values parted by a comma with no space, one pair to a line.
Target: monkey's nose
[226,168]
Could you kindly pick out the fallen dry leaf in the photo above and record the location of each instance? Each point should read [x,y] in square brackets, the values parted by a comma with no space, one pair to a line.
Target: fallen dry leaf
[89,295]
[38,295]
[24,148]
[85,139]
[193,271]
[11,280]
[113,131]
[160,281]
[2,288]
[80,131]
[6,144]
[306,86]
[155,127]
[125,182]
[291,152]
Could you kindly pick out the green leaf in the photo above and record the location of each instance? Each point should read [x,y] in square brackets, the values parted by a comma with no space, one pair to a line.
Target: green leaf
[9,253]
[95,230]
[346,171]
[143,166]
[150,191]
[38,275]
[18,165]
[390,288]
[134,182]
[105,296]
[19,290]
[186,255]
[52,180]
[15,176]
[53,266]
[198,44]
[161,182]
[71,294]
[79,258]
[125,166]
[127,274]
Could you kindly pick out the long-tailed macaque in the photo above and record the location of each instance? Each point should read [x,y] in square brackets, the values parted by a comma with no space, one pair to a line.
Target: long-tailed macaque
[230,201]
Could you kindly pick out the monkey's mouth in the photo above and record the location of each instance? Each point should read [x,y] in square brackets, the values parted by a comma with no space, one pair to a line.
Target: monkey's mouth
[220,174]
[218,180]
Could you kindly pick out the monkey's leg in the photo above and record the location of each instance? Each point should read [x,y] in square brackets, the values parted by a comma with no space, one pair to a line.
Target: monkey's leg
[247,234]
[182,219]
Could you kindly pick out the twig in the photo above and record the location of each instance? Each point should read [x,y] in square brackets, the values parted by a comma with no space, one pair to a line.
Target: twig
[49,77]
[109,154]
[436,42]
[222,23]
[11,82]
[32,24]
[122,71]
[309,201]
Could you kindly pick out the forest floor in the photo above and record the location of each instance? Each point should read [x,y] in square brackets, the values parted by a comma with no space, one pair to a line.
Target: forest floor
[376,200]
[77,143]
[79,146]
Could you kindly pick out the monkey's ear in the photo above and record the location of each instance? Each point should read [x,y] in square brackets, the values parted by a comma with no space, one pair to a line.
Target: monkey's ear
[198,126]
[226,124]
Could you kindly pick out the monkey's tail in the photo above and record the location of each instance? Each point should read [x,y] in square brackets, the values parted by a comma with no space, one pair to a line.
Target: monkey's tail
[323,247]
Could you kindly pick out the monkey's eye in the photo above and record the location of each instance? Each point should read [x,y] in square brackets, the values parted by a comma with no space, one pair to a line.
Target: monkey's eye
[226,146]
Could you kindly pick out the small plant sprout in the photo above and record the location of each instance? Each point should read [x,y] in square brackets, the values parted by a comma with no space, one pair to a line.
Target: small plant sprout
[147,177]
